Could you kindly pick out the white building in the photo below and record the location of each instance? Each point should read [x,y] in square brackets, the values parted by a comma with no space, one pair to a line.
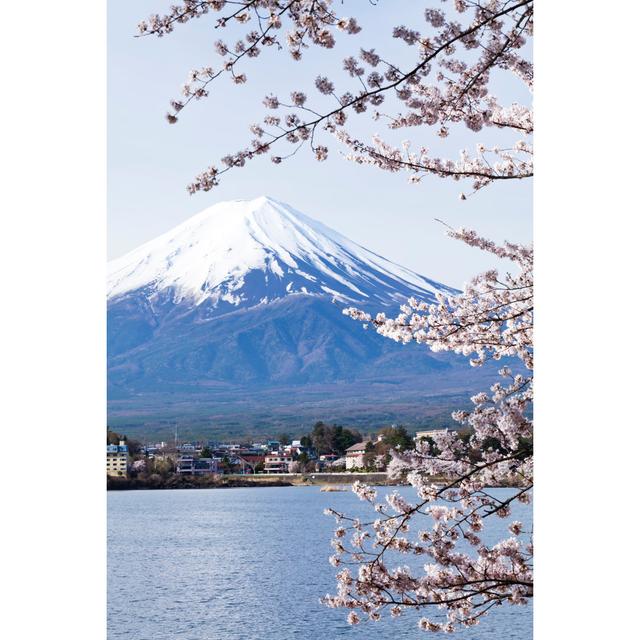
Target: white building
[355,455]
[429,434]
[117,458]
[277,463]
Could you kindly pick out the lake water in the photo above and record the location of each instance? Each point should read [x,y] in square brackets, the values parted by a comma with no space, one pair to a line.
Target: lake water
[245,564]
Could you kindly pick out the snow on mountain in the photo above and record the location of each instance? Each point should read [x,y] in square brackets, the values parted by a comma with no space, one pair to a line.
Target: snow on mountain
[246,252]
[235,317]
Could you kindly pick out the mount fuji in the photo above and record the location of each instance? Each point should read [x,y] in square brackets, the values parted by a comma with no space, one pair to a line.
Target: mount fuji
[234,318]
[247,252]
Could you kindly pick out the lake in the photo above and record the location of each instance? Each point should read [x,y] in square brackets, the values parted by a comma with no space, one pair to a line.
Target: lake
[245,564]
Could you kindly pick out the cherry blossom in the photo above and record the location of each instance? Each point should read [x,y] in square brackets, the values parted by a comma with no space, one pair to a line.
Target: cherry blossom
[452,476]
[459,49]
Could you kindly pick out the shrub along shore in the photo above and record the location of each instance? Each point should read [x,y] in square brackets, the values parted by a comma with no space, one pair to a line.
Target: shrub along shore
[228,481]
[176,481]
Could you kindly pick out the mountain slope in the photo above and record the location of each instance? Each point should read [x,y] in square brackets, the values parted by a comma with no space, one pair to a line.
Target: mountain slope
[248,295]
[298,339]
[243,253]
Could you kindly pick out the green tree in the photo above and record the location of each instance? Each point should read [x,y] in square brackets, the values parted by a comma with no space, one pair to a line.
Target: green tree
[135,446]
[113,437]
[369,458]
[333,438]
[321,437]
[397,438]
[226,465]
[343,439]
[163,467]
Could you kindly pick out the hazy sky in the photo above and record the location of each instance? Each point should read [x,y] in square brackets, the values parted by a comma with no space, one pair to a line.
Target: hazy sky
[150,162]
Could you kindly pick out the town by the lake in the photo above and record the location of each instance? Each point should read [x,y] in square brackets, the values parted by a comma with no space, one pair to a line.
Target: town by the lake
[326,451]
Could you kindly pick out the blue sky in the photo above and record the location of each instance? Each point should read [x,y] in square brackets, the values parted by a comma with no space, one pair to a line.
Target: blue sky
[150,162]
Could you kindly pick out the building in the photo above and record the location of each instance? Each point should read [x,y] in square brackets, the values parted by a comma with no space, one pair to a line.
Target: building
[117,458]
[187,448]
[355,455]
[249,462]
[277,463]
[190,466]
[429,434]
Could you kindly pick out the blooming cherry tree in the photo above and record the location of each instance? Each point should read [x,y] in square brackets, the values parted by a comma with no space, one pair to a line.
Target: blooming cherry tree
[456,53]
[492,318]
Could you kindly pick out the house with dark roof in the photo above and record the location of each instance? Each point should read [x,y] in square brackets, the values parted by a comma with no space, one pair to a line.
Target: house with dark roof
[355,454]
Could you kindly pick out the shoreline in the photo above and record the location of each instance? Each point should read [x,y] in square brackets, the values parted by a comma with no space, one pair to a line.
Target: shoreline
[231,481]
[329,481]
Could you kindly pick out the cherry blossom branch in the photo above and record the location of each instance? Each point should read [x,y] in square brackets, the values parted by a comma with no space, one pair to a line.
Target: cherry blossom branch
[464,584]
[459,93]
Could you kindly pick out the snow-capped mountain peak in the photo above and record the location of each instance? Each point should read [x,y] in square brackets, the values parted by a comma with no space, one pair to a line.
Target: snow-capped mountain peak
[246,252]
